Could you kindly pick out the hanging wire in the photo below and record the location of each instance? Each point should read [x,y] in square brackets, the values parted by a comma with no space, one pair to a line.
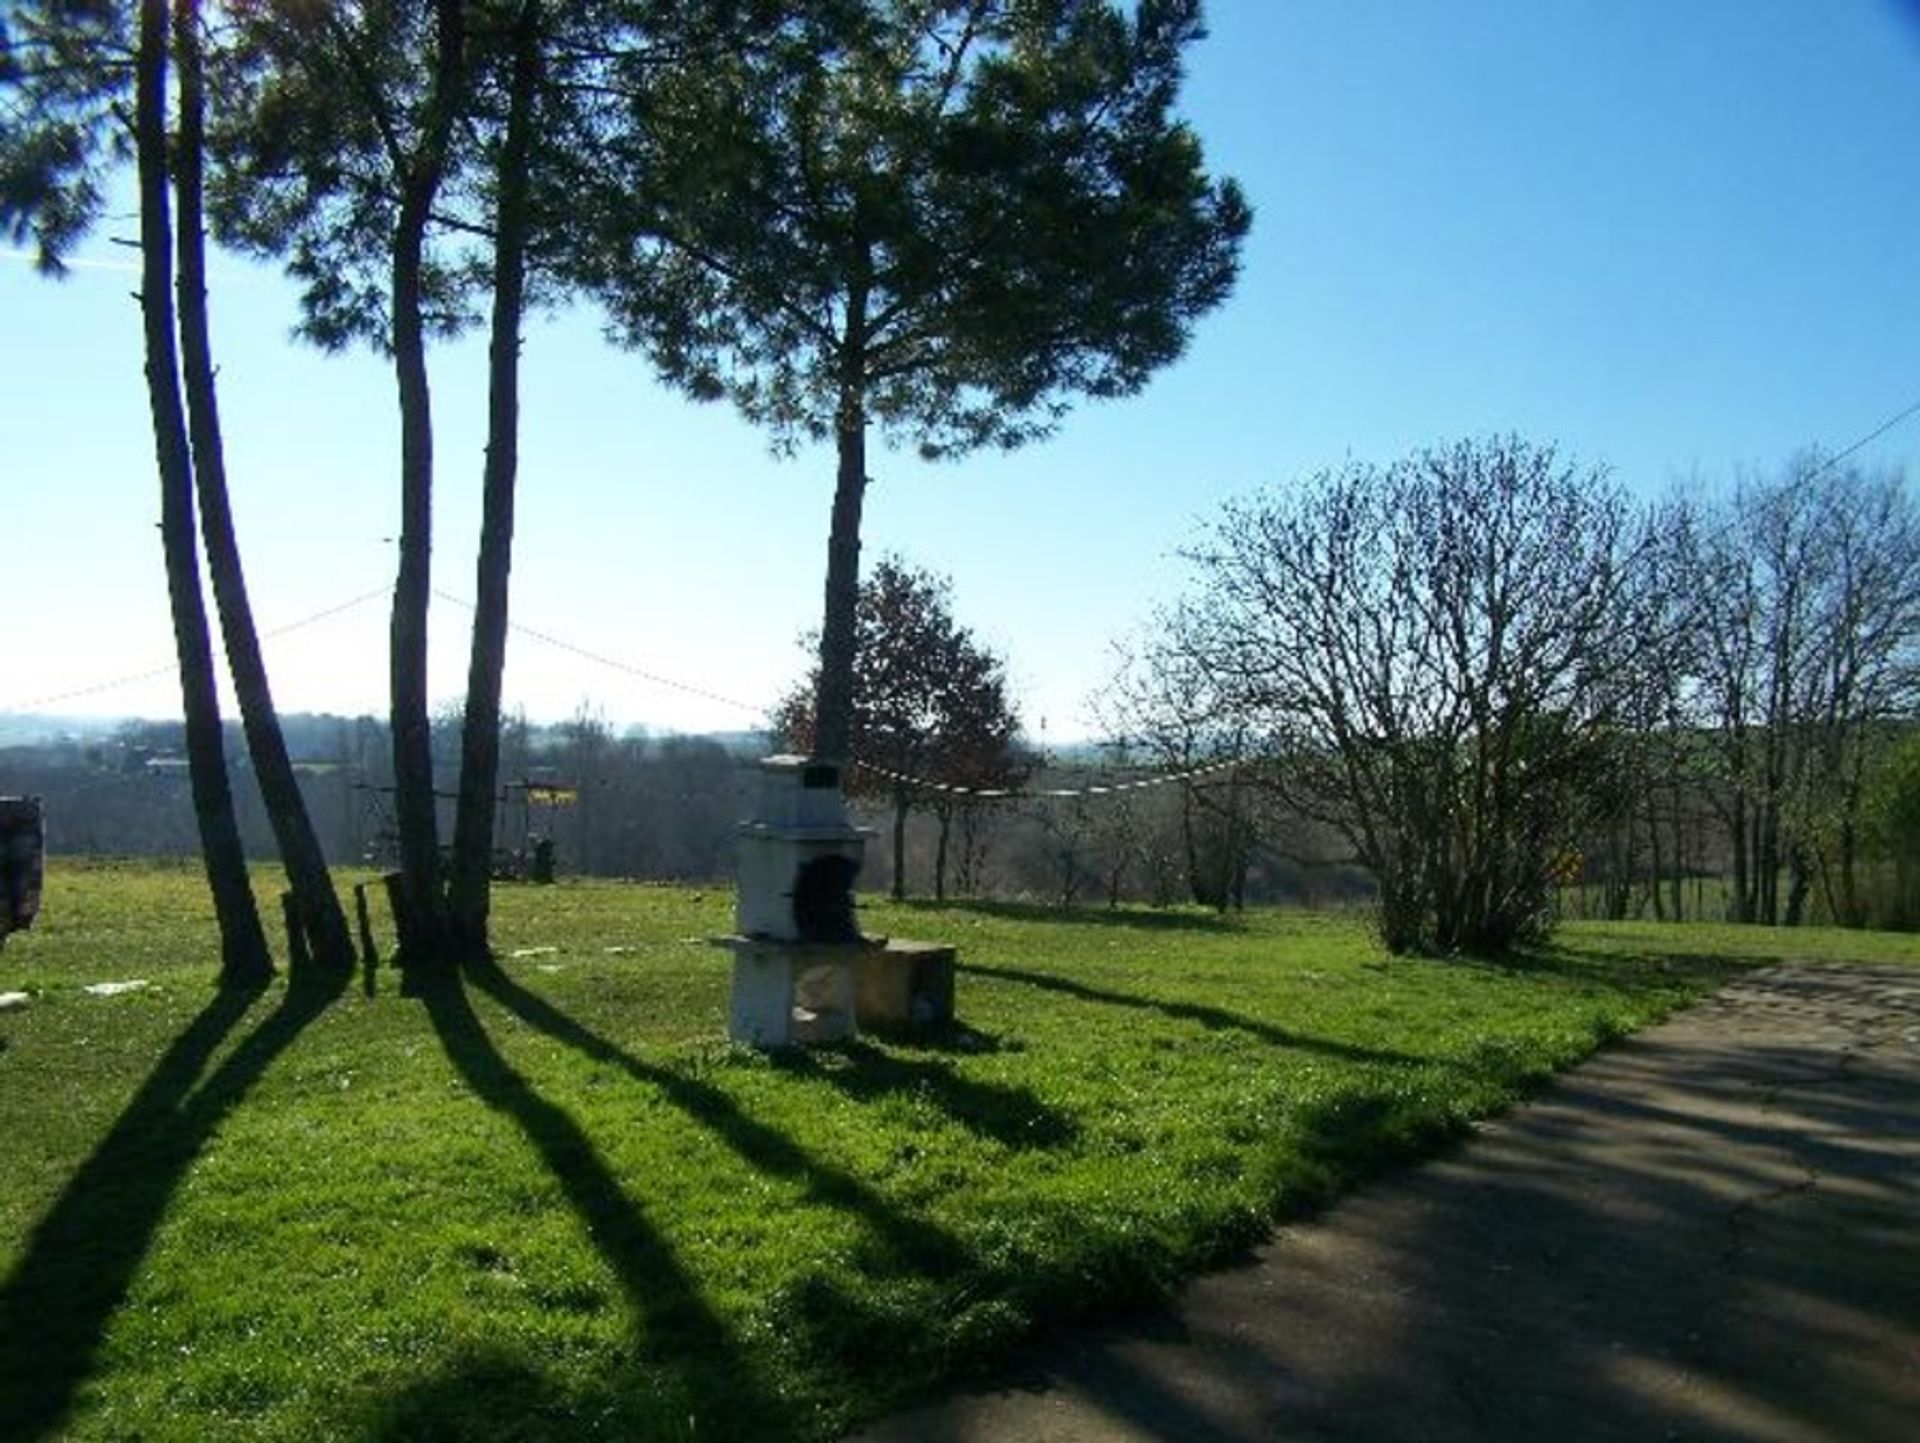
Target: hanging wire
[1867,440]
[614,664]
[95,688]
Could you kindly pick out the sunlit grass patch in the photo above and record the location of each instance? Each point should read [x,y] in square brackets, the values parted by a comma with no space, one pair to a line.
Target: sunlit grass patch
[554,1202]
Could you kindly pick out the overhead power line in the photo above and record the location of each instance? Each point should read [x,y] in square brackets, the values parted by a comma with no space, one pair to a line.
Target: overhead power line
[1867,440]
[755,709]
[919,783]
[115,683]
[93,689]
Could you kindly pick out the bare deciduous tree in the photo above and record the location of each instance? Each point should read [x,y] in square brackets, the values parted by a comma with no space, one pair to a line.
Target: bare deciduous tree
[1434,654]
[1164,705]
[1807,610]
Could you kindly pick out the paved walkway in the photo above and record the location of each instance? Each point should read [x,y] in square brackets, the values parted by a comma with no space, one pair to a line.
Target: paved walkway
[1711,1231]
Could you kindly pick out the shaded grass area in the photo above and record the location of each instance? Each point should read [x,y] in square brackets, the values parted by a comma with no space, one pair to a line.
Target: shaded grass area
[549,1201]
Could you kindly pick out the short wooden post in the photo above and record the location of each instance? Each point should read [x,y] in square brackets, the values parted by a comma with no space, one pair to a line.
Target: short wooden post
[369,953]
[397,906]
[298,954]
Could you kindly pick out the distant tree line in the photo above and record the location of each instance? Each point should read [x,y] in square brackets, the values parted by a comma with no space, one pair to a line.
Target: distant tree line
[667,808]
[628,805]
[1482,675]
[1477,689]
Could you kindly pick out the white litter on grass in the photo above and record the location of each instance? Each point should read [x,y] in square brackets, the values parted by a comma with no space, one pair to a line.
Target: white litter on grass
[621,951]
[114,989]
[533,952]
[551,967]
[11,1000]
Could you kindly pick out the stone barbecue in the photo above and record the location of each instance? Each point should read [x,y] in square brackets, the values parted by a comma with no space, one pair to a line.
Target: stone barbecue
[796,945]
[798,856]
[802,971]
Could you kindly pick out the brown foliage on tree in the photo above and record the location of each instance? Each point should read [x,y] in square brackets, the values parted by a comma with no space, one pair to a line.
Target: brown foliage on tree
[930,705]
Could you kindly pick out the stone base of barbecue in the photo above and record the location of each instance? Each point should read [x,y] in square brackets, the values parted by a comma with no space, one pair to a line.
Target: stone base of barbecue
[792,994]
[802,994]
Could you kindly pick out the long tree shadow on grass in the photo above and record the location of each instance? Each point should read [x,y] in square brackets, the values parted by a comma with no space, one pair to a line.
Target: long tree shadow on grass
[471,1397]
[1631,971]
[1745,1269]
[1011,1116]
[900,1321]
[75,1271]
[1214,1018]
[682,1334]
[912,1241]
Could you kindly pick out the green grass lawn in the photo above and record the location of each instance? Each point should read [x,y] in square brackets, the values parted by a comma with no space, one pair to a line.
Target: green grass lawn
[554,1203]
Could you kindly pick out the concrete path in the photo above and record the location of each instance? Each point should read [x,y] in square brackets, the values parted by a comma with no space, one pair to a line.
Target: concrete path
[1711,1231]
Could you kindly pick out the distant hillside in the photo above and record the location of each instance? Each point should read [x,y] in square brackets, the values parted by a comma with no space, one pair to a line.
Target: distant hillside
[22,730]
[309,734]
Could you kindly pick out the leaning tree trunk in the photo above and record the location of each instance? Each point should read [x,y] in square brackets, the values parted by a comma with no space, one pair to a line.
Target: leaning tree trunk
[317,905]
[421,914]
[833,720]
[244,958]
[470,883]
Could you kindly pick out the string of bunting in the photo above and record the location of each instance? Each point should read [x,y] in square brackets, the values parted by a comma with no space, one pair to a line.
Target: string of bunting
[1105,789]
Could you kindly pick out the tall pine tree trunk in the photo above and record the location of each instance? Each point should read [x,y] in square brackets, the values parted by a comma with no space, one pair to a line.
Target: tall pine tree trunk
[471,880]
[833,721]
[833,700]
[421,920]
[317,904]
[244,958]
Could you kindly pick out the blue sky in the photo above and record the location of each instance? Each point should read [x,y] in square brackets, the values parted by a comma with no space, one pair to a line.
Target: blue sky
[1678,237]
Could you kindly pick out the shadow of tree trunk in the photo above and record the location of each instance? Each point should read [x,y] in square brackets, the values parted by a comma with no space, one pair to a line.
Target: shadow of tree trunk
[56,1303]
[680,1330]
[1213,1018]
[912,1242]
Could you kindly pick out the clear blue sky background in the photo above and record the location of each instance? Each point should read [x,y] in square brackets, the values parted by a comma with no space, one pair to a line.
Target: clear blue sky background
[1676,236]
